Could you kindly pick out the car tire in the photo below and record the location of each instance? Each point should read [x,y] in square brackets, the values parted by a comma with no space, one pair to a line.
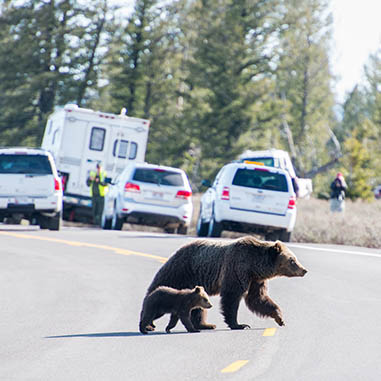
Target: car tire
[54,223]
[284,236]
[116,222]
[215,228]
[14,220]
[272,236]
[202,228]
[182,229]
[42,221]
[106,222]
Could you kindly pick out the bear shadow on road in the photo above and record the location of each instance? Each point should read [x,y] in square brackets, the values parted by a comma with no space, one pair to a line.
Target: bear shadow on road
[137,333]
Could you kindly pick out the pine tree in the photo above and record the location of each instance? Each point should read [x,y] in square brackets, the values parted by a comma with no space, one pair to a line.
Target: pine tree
[228,74]
[48,56]
[304,82]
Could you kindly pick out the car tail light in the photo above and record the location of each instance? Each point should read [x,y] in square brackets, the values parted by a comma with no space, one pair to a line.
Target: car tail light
[292,203]
[64,180]
[131,187]
[183,194]
[225,194]
[57,184]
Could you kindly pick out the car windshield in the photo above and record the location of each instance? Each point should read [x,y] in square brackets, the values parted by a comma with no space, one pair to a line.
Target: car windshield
[261,179]
[158,176]
[268,161]
[25,164]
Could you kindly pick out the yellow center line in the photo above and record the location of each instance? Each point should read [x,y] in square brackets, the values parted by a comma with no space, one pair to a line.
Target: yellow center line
[269,332]
[116,250]
[237,365]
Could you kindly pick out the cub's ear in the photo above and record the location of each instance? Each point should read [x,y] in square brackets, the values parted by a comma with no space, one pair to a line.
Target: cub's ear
[198,289]
[278,246]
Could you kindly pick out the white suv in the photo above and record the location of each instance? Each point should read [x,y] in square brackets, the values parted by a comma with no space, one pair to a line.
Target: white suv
[148,194]
[30,187]
[249,198]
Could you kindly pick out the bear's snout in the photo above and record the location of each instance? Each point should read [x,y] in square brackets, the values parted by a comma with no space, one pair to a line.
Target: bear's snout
[303,271]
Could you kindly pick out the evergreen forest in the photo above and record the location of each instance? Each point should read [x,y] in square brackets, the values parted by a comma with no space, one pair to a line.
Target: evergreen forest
[215,77]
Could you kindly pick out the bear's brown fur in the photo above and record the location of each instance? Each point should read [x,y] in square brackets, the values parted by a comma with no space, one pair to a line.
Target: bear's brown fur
[233,269]
[179,303]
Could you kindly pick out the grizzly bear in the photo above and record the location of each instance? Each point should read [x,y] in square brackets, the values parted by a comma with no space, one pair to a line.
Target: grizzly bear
[179,303]
[233,269]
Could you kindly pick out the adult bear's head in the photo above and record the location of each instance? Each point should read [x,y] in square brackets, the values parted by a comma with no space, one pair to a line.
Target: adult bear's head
[285,261]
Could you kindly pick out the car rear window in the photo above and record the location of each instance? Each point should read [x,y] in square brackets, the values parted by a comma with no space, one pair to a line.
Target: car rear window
[158,176]
[260,179]
[25,164]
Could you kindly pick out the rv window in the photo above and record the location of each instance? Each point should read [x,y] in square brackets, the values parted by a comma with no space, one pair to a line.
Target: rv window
[97,138]
[133,151]
[120,147]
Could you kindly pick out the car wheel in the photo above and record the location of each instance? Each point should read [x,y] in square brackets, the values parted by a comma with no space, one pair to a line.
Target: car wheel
[215,228]
[169,230]
[106,222]
[54,223]
[271,236]
[202,227]
[43,222]
[182,229]
[117,222]
[14,220]
[284,236]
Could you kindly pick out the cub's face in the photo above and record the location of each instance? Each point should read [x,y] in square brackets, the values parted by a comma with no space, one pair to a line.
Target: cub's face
[286,262]
[202,298]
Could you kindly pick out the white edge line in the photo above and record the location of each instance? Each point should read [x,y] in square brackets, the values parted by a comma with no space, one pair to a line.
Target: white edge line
[336,251]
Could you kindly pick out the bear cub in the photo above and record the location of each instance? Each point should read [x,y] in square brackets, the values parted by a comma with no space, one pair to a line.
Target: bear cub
[179,303]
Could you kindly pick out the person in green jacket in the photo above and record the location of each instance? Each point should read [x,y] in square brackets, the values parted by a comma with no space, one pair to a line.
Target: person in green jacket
[98,189]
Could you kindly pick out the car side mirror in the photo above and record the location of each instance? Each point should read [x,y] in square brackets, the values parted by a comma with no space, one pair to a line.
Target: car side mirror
[108,180]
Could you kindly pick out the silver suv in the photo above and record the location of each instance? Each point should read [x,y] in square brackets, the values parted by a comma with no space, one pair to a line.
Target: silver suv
[149,194]
[30,187]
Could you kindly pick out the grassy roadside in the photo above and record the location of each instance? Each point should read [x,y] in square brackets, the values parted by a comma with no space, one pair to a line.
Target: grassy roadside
[359,225]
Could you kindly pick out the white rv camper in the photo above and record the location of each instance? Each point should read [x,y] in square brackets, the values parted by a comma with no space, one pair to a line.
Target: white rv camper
[78,138]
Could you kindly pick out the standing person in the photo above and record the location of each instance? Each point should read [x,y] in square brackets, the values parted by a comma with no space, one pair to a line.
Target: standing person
[98,189]
[338,187]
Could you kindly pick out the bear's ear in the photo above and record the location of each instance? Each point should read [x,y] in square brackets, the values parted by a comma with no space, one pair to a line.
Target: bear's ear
[278,246]
[198,290]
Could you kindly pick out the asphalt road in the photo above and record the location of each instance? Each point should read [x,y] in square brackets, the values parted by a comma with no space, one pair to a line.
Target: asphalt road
[70,304]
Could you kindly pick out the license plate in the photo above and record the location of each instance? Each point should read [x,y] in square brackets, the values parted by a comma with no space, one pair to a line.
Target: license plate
[155,195]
